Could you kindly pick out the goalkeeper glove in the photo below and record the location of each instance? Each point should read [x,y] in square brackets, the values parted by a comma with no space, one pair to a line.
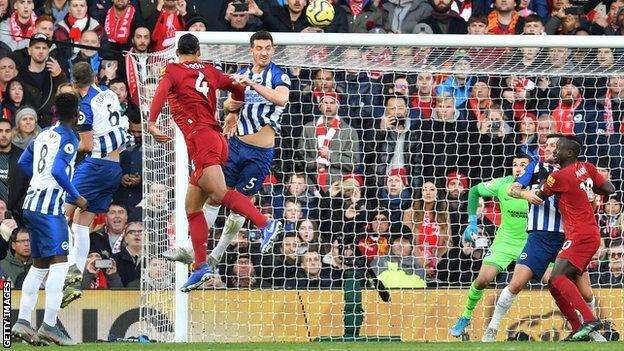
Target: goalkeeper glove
[470,233]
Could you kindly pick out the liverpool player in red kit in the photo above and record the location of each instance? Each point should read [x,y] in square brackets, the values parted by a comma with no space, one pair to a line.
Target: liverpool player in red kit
[575,186]
[190,87]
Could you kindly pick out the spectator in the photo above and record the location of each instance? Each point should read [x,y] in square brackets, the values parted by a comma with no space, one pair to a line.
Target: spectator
[608,25]
[291,17]
[292,214]
[422,101]
[527,130]
[211,10]
[280,268]
[128,108]
[26,128]
[7,224]
[330,147]
[614,276]
[141,42]
[56,9]
[168,18]
[8,71]
[535,147]
[533,24]
[121,19]
[77,21]
[159,274]
[95,277]
[608,219]
[399,269]
[13,100]
[504,19]
[428,220]
[92,57]
[41,77]
[443,20]
[44,25]
[296,187]
[459,84]
[457,198]
[389,143]
[360,13]
[518,95]
[130,193]
[396,195]
[404,16]
[307,230]
[108,240]
[311,274]
[238,21]
[18,258]
[243,275]
[479,101]
[19,26]
[13,181]
[477,24]
[196,23]
[129,258]
[334,261]
[345,206]
[443,140]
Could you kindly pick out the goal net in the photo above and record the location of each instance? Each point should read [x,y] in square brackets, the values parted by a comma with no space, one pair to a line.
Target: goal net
[415,122]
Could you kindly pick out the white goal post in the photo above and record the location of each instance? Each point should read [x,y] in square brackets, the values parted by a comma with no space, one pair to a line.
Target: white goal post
[217,314]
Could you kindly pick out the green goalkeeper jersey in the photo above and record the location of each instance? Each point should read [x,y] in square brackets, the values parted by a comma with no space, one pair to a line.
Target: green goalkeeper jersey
[512,230]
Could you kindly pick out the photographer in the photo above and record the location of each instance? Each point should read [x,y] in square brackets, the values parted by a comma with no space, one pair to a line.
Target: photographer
[100,273]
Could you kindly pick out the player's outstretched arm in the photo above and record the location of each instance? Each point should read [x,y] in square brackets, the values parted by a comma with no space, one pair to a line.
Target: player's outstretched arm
[26,160]
[155,109]
[470,233]
[278,96]
[517,191]
[607,188]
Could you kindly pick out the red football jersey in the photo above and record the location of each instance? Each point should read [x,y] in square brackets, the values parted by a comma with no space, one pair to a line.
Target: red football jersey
[190,88]
[573,186]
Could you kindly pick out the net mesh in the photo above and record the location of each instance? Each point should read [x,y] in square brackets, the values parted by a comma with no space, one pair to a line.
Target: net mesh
[394,203]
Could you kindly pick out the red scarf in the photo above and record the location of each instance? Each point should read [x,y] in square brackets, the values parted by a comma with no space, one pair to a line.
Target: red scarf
[100,281]
[131,76]
[426,107]
[17,33]
[429,230]
[76,26]
[563,117]
[163,35]
[608,114]
[494,26]
[356,9]
[474,106]
[118,30]
[323,139]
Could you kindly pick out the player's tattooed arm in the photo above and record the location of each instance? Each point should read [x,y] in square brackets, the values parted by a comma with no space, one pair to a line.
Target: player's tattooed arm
[516,190]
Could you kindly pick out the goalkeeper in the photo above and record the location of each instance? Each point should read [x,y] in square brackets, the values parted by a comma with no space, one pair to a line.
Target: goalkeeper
[509,238]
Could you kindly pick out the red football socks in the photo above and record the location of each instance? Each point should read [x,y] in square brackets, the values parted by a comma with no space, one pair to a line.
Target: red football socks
[240,204]
[566,309]
[569,292]
[198,228]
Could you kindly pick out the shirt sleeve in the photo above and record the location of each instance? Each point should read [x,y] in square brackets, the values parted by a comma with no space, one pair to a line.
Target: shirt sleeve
[555,183]
[596,177]
[64,156]
[85,118]
[26,160]
[490,188]
[525,177]
[160,97]
[224,82]
[280,78]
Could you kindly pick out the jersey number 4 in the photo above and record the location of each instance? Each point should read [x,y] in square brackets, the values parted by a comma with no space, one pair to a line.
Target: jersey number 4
[201,85]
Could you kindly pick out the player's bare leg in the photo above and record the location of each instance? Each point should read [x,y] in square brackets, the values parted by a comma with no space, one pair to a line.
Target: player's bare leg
[521,276]
[569,300]
[487,274]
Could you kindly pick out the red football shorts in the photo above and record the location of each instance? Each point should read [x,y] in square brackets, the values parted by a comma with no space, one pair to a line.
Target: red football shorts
[580,251]
[206,147]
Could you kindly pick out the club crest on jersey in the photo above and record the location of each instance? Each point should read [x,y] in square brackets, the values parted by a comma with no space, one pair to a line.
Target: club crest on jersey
[578,117]
[81,117]
[286,78]
[69,148]
[65,245]
[257,79]
[550,181]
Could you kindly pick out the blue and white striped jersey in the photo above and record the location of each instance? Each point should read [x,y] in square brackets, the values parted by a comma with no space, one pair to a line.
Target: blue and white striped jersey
[544,217]
[100,112]
[258,111]
[50,158]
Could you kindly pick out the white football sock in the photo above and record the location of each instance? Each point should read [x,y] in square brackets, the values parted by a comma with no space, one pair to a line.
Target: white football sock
[71,257]
[81,245]
[504,303]
[30,291]
[54,292]
[233,224]
[592,304]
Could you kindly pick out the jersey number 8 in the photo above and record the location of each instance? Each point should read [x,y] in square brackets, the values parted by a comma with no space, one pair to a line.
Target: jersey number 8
[42,155]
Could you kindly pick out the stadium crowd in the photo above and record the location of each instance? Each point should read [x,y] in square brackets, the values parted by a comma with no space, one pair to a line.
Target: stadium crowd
[391,183]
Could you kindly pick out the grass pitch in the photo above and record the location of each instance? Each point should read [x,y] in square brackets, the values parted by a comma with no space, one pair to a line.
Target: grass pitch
[346,346]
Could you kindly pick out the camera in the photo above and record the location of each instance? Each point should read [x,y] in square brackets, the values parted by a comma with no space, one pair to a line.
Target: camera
[400,122]
[103,263]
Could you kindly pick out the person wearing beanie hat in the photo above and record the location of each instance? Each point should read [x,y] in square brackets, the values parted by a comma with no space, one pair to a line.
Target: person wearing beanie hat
[26,128]
[443,20]
[196,23]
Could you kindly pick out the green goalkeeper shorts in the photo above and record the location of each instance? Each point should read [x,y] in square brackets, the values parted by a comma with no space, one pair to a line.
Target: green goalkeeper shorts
[501,254]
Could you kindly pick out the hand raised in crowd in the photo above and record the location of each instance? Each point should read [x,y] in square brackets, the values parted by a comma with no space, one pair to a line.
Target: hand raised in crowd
[91,265]
[181,7]
[254,9]
[113,268]
[53,66]
[602,21]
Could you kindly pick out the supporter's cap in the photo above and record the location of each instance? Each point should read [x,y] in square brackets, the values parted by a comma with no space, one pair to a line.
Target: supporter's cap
[530,116]
[188,44]
[195,19]
[422,28]
[331,95]
[459,176]
[461,55]
[355,177]
[23,112]
[483,79]
[270,179]
[400,172]
[39,38]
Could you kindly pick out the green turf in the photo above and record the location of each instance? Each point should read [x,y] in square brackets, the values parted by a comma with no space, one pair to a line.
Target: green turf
[349,346]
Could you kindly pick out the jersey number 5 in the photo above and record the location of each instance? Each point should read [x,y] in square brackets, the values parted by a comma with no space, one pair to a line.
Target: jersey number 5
[588,188]
[201,85]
